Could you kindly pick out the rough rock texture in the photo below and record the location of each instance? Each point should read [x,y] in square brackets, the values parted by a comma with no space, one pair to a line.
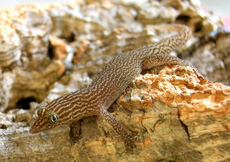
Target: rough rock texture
[49,50]
[214,62]
[179,115]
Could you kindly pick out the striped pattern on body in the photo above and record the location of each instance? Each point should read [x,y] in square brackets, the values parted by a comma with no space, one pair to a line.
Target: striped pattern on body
[110,83]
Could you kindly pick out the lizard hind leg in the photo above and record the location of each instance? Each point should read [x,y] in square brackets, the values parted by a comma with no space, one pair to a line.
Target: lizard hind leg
[161,59]
[128,138]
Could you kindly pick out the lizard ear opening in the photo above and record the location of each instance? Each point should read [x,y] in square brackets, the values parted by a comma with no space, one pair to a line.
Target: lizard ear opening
[40,111]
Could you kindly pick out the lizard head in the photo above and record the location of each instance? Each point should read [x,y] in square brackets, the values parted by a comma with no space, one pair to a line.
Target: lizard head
[46,120]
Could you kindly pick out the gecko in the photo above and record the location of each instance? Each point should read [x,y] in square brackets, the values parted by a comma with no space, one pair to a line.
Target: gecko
[110,83]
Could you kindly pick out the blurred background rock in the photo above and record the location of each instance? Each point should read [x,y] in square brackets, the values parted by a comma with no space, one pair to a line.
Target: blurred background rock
[220,7]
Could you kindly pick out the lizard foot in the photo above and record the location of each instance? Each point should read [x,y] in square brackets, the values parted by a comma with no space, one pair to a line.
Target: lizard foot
[131,140]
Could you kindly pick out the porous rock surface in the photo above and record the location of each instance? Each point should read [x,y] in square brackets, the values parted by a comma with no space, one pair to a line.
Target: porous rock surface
[49,50]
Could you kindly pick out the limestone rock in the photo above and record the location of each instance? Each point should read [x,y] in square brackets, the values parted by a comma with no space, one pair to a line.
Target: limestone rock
[53,49]
[180,116]
[212,50]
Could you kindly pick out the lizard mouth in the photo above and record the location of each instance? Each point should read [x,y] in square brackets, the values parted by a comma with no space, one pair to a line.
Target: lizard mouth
[36,128]
[33,131]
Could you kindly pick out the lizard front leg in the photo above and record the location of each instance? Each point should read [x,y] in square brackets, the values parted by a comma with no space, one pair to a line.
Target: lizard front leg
[75,130]
[128,138]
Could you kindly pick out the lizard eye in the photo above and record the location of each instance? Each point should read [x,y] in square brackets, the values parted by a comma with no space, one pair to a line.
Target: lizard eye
[53,118]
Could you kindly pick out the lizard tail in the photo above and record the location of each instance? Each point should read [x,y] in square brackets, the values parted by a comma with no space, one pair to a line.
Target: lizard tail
[166,45]
[183,32]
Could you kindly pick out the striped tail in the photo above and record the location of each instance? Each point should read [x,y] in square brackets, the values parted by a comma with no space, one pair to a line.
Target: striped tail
[166,45]
[173,42]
